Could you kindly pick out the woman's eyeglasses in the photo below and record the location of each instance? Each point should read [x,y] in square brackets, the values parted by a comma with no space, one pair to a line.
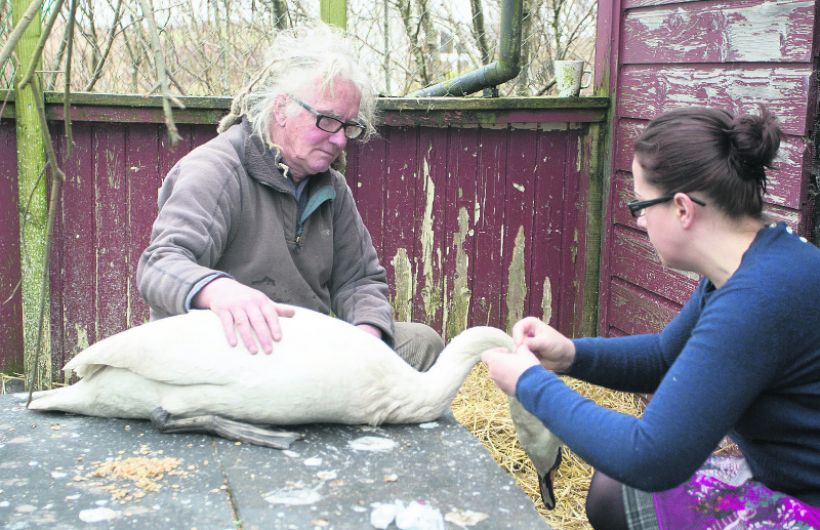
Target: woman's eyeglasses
[353,129]
[636,208]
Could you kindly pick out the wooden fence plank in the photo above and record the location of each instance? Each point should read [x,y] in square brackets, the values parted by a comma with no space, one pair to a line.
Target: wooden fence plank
[368,183]
[491,229]
[77,247]
[650,90]
[431,223]
[399,215]
[520,176]
[549,226]
[718,32]
[463,211]
[111,191]
[144,179]
[11,315]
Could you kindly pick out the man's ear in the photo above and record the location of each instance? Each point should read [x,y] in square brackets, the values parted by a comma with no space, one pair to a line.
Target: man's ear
[280,103]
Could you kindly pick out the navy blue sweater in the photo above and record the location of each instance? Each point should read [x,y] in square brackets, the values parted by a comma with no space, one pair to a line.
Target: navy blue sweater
[742,360]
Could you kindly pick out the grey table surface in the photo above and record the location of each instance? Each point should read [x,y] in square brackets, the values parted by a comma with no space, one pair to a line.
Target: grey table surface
[334,478]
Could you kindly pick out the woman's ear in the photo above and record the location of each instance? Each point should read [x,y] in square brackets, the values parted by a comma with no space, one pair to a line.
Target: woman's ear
[685,209]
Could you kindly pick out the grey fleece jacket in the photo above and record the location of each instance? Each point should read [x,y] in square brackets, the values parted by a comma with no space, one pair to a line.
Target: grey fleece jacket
[227,209]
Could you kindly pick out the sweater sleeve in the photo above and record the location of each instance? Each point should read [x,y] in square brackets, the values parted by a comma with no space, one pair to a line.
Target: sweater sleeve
[189,234]
[635,363]
[358,284]
[728,359]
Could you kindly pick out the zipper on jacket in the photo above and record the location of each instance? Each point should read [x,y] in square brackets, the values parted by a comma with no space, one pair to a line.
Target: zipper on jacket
[326,193]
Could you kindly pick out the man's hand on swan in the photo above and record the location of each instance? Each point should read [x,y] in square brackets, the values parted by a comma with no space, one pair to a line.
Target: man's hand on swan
[554,350]
[373,330]
[245,311]
[505,367]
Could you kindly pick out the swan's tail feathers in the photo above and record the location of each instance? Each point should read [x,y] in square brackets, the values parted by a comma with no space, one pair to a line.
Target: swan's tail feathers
[22,397]
[225,428]
[67,399]
[543,448]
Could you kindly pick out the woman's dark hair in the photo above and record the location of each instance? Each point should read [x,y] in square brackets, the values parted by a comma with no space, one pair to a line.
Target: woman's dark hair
[709,150]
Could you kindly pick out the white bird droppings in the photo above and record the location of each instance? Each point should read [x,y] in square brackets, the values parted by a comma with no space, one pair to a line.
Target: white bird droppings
[293,497]
[95,515]
[313,462]
[372,443]
[429,425]
[465,517]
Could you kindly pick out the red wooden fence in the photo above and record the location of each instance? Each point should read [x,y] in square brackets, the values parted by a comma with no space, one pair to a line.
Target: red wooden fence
[473,208]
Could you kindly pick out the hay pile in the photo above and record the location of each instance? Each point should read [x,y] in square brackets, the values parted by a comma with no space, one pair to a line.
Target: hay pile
[483,410]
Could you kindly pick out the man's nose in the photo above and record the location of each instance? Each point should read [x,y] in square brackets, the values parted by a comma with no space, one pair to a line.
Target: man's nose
[339,139]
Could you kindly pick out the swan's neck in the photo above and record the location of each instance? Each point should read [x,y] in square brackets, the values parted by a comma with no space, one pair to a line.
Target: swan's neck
[429,394]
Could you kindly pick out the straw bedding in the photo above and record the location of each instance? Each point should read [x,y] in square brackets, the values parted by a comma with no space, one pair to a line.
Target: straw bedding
[483,410]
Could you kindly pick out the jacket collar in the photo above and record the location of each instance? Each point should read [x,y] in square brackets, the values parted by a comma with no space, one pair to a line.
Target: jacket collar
[266,165]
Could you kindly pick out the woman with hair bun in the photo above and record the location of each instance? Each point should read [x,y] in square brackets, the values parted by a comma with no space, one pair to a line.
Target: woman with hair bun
[742,358]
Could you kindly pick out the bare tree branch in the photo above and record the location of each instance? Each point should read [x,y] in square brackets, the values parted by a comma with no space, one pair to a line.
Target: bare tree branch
[108,41]
[25,20]
[69,36]
[159,63]
[479,33]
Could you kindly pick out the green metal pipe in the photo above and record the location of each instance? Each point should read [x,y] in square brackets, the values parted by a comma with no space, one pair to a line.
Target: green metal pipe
[505,68]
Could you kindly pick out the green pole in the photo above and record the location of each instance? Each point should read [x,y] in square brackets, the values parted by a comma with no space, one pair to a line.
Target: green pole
[334,12]
[33,203]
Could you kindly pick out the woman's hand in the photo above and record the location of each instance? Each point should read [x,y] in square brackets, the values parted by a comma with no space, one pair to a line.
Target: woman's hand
[505,367]
[554,350]
[246,310]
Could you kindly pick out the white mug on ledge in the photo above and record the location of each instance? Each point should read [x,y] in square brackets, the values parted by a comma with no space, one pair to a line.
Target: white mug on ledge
[568,77]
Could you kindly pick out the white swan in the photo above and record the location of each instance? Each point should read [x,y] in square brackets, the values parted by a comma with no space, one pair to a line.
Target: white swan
[323,370]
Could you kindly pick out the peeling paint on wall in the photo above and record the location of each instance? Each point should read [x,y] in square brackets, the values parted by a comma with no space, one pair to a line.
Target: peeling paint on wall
[457,311]
[405,286]
[111,165]
[546,301]
[516,282]
[431,292]
[82,343]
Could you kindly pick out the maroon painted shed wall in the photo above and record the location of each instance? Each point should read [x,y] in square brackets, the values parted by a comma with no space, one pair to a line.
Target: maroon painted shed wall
[728,54]
[475,221]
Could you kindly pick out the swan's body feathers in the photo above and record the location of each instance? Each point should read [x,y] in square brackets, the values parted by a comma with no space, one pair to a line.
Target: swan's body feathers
[323,370]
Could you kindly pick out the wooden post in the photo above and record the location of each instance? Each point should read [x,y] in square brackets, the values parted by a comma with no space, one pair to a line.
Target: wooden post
[33,200]
[334,12]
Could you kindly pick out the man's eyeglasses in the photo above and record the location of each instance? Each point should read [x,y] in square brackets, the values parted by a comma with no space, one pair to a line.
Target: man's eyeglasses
[636,208]
[353,129]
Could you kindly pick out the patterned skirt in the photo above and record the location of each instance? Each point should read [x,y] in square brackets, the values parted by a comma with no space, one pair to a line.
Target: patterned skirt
[721,495]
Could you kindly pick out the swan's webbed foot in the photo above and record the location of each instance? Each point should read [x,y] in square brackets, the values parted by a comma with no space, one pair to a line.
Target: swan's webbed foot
[545,483]
[225,428]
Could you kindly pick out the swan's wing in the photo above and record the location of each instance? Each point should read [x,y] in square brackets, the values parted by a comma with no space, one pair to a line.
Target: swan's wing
[192,349]
[184,349]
